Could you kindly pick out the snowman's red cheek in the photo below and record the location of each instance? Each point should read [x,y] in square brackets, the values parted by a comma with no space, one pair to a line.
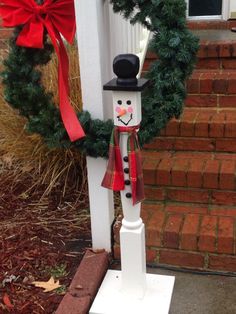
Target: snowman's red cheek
[130,110]
[118,109]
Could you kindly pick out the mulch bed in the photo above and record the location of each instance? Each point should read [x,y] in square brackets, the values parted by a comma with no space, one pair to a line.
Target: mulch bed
[39,238]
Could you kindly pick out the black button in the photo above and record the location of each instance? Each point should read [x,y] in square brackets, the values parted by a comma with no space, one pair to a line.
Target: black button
[127,182]
[128,195]
[119,102]
[126,158]
[128,102]
[126,170]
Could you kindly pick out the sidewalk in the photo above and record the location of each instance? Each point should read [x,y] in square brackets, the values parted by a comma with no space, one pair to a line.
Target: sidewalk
[193,293]
[201,294]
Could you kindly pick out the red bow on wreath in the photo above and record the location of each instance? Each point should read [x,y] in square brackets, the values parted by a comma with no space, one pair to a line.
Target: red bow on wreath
[57,17]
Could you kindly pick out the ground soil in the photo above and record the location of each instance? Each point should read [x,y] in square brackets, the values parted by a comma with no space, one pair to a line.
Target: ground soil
[39,238]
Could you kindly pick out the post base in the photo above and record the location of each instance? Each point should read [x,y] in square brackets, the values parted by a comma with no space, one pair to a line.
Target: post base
[111,300]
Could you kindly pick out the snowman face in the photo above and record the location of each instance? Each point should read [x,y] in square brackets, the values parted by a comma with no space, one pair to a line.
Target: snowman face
[126,108]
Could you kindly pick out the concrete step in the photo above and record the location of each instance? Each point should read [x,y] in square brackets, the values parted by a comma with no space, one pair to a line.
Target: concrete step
[187,235]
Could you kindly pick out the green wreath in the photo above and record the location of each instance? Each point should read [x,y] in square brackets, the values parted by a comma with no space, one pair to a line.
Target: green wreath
[175,46]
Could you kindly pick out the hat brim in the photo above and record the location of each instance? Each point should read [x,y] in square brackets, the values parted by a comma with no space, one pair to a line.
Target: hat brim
[141,85]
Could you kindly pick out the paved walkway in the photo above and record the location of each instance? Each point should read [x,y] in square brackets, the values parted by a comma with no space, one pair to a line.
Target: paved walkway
[201,294]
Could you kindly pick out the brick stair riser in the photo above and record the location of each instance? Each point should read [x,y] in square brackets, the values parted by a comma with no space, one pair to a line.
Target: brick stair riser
[192,208]
[211,55]
[200,241]
[216,88]
[211,24]
[205,130]
[190,195]
[202,63]
[186,231]
[195,173]
[202,123]
[227,145]
[212,89]
[219,101]
[188,260]
[214,63]
[205,63]
[212,82]
[217,49]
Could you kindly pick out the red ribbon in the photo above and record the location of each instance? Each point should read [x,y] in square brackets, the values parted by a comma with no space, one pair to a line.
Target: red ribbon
[58,17]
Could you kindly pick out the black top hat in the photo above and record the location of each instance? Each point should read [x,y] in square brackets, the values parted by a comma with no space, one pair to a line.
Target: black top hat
[126,67]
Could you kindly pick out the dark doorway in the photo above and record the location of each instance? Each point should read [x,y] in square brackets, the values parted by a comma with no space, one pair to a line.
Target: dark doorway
[205,7]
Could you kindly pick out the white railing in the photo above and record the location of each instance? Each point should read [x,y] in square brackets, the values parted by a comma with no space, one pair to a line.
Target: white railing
[127,38]
[101,36]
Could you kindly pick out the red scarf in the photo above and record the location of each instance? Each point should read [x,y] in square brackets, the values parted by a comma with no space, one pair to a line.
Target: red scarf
[114,176]
[57,17]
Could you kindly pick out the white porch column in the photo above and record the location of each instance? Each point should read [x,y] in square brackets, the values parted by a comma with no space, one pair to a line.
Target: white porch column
[93,43]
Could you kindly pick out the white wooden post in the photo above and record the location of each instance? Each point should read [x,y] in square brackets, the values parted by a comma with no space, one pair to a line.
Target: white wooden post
[93,44]
[132,239]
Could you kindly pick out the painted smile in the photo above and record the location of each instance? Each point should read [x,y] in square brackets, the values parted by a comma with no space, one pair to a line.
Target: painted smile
[125,123]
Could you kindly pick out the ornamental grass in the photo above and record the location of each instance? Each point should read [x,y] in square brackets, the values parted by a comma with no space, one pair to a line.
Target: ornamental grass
[25,155]
[50,73]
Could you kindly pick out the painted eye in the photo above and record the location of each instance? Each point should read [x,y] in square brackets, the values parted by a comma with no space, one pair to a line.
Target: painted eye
[119,102]
[128,102]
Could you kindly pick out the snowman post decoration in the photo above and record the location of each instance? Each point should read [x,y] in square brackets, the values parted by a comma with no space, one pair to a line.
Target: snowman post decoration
[124,171]
[130,290]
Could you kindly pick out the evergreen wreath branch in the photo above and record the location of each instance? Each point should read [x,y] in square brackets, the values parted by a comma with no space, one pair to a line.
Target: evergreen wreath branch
[175,46]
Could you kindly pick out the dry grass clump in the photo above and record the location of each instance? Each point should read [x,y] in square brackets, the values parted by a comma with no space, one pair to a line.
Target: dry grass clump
[49,77]
[25,155]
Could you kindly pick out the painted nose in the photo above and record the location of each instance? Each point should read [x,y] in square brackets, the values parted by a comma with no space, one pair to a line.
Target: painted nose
[122,112]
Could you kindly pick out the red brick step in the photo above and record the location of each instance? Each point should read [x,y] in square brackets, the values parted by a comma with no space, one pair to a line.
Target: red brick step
[212,82]
[192,240]
[211,24]
[190,195]
[217,50]
[205,130]
[212,88]
[208,123]
[227,145]
[210,171]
